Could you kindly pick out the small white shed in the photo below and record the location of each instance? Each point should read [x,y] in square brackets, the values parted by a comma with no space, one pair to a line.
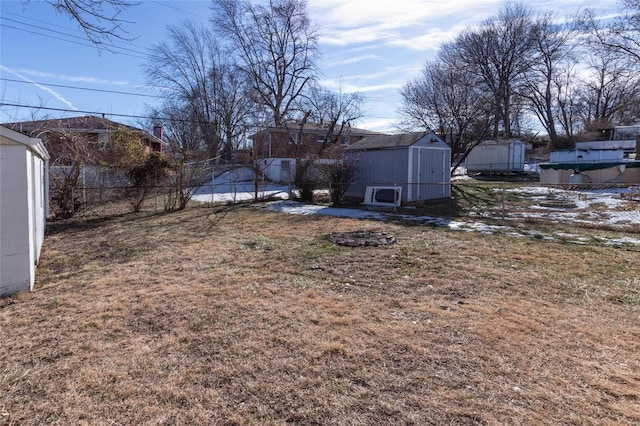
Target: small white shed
[23,209]
[410,167]
[496,156]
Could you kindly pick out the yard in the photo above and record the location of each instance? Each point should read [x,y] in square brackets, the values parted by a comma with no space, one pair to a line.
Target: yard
[245,315]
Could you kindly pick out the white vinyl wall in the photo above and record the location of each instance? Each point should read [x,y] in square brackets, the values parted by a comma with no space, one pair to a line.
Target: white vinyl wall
[281,170]
[499,157]
[23,209]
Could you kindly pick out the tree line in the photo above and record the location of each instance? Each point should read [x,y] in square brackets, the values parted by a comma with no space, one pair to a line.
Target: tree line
[255,65]
[518,71]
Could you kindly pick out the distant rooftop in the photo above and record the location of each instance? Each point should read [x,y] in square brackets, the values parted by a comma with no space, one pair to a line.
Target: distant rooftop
[87,123]
[388,141]
[319,128]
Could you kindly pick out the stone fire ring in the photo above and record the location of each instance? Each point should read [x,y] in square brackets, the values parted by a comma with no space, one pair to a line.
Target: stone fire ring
[362,239]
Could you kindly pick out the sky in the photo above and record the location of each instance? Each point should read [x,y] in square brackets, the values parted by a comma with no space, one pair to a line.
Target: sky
[369,46]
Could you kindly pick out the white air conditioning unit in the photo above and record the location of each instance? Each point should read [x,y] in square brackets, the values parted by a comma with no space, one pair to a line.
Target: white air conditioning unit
[383,195]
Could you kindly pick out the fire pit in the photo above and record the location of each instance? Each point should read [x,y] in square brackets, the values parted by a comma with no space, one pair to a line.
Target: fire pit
[362,238]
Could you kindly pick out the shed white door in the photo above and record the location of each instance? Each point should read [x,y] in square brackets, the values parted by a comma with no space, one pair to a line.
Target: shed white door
[429,172]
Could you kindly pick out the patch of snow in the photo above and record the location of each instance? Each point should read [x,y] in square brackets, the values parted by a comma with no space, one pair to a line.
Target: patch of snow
[294,207]
[237,185]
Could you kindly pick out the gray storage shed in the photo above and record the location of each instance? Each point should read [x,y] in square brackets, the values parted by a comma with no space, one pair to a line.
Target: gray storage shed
[416,165]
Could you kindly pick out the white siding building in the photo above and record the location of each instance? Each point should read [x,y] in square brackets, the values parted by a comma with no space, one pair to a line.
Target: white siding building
[23,209]
[496,156]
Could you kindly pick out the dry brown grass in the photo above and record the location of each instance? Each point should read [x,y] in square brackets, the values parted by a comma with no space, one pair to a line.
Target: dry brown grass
[243,316]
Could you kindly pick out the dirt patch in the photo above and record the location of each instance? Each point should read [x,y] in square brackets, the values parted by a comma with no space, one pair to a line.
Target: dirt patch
[362,239]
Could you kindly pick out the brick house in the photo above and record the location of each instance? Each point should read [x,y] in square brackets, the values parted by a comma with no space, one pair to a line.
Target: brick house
[93,131]
[276,148]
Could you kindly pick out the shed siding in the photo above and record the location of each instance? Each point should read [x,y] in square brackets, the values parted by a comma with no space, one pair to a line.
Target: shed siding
[16,256]
[22,212]
[386,167]
[421,166]
[500,157]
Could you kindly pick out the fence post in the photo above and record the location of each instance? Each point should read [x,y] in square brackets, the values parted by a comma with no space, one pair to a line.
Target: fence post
[213,182]
[84,187]
[503,200]
[155,185]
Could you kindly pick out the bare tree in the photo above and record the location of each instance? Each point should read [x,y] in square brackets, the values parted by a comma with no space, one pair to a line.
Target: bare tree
[610,93]
[275,46]
[71,152]
[622,35]
[500,51]
[233,106]
[566,90]
[335,111]
[553,49]
[181,129]
[450,100]
[182,70]
[99,19]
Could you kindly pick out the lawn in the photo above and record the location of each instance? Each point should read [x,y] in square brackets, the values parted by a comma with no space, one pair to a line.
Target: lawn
[240,315]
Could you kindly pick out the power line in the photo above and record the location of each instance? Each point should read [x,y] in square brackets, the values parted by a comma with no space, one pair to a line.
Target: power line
[110,47]
[80,34]
[44,35]
[28,24]
[81,88]
[111,114]
[179,10]
[72,41]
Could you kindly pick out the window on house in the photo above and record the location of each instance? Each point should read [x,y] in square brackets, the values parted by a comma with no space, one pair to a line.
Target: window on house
[294,138]
[103,141]
[266,137]
[322,138]
[345,140]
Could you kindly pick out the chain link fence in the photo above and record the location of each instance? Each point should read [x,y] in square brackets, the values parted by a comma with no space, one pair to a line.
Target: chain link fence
[614,206]
[608,206]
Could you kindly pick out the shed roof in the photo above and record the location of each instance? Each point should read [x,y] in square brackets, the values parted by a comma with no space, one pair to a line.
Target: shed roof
[488,142]
[389,141]
[34,144]
[317,128]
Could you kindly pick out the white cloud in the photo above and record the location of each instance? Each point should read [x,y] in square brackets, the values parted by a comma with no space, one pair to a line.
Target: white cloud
[431,40]
[76,79]
[350,60]
[342,23]
[41,87]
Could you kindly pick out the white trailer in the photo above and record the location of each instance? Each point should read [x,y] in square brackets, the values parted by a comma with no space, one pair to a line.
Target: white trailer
[496,156]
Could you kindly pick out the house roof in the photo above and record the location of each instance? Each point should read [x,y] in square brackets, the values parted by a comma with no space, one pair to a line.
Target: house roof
[33,144]
[387,141]
[84,124]
[320,128]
